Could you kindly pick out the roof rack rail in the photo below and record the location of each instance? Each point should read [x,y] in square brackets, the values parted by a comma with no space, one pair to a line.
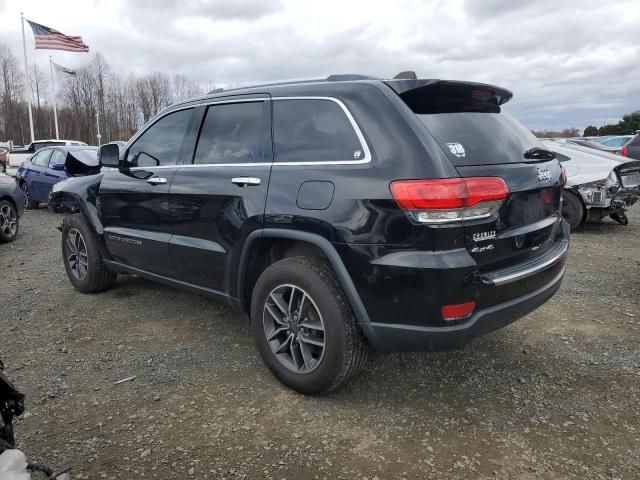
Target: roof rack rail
[216,90]
[347,77]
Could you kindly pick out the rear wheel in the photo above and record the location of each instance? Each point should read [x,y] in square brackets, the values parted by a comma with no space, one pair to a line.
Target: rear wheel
[29,203]
[8,221]
[572,209]
[304,328]
[82,258]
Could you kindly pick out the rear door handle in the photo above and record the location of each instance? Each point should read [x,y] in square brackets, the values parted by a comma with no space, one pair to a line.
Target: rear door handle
[157,181]
[245,181]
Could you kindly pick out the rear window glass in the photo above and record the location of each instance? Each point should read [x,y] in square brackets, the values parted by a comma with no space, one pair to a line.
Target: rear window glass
[473,138]
[313,131]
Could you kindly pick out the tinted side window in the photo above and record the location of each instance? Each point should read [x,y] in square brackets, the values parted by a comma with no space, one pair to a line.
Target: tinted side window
[232,133]
[41,158]
[313,131]
[160,144]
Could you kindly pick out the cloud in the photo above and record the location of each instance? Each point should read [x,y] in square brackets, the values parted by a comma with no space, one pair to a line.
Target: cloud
[567,65]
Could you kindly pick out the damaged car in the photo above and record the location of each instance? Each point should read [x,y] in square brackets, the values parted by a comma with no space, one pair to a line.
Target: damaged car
[37,176]
[599,184]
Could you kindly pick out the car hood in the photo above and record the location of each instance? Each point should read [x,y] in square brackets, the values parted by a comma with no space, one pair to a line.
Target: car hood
[81,162]
[585,164]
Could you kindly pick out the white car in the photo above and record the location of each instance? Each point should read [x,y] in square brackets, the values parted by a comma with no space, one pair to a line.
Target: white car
[599,184]
[19,155]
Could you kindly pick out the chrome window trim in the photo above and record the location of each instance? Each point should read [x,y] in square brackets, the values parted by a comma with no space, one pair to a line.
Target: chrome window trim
[354,125]
[275,163]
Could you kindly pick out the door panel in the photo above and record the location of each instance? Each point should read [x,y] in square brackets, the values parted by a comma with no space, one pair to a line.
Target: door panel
[39,163]
[220,199]
[211,219]
[135,215]
[134,201]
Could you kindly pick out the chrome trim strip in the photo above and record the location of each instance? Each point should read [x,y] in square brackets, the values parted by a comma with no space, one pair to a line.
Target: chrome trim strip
[363,143]
[354,125]
[533,270]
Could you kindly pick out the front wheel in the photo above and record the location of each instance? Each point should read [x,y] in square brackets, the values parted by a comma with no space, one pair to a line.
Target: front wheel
[8,222]
[572,209]
[82,258]
[304,328]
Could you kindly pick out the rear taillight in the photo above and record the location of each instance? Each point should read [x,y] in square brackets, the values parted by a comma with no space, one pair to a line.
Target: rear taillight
[450,199]
[624,152]
[563,176]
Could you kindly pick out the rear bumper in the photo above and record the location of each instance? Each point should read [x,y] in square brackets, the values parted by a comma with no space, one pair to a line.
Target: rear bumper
[403,338]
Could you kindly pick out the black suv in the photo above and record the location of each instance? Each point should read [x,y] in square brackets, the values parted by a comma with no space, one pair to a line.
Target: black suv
[337,214]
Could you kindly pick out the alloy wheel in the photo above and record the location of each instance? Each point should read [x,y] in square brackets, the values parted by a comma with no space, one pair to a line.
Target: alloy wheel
[77,258]
[25,194]
[294,328]
[8,220]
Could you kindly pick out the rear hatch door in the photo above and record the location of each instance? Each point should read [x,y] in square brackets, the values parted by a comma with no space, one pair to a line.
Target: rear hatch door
[480,139]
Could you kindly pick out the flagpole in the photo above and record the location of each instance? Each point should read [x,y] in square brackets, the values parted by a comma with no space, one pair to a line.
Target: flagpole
[26,71]
[53,89]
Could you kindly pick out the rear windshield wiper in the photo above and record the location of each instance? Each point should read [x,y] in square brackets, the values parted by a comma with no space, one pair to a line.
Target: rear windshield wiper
[537,153]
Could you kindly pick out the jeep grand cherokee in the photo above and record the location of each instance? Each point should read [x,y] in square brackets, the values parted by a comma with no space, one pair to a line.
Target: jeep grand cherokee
[339,215]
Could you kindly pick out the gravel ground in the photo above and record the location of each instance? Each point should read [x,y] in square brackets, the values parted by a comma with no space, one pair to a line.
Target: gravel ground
[555,395]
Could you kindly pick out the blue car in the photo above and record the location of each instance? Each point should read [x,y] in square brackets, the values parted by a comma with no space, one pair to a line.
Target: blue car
[48,166]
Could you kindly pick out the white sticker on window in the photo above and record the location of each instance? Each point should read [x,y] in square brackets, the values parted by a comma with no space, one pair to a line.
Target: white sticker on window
[457,149]
[357,154]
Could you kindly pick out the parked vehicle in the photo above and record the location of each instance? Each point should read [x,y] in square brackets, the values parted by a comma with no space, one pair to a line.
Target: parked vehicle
[632,149]
[11,208]
[618,141]
[4,159]
[598,184]
[19,155]
[338,214]
[37,176]
[594,145]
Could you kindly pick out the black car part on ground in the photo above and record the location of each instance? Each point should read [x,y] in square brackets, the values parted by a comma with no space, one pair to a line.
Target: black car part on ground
[11,406]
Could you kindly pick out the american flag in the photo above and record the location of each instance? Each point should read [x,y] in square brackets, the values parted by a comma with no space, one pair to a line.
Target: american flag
[50,39]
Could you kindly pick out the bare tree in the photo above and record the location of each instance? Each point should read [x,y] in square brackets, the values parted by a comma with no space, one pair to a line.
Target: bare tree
[184,88]
[153,94]
[12,106]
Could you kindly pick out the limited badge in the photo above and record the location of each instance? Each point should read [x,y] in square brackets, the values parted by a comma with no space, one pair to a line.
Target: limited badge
[457,149]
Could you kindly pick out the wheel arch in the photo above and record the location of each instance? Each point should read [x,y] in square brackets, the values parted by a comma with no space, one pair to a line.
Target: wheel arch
[585,209]
[295,243]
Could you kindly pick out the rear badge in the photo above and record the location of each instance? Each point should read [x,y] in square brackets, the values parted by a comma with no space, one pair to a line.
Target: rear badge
[482,236]
[457,149]
[544,175]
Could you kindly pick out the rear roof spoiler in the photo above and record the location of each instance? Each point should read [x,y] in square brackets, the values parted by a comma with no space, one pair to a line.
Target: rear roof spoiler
[402,86]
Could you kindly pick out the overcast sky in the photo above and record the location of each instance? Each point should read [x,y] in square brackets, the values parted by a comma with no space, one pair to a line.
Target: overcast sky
[569,63]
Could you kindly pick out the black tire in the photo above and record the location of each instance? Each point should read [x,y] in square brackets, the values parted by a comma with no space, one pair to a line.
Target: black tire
[345,348]
[29,204]
[9,221]
[572,209]
[97,277]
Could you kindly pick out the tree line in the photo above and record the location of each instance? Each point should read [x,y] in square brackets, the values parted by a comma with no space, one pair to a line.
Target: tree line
[123,104]
[629,125]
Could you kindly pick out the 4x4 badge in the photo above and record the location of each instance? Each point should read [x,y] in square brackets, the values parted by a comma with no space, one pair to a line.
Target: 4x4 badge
[457,149]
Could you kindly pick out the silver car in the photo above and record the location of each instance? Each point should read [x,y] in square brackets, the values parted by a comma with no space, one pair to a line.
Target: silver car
[599,184]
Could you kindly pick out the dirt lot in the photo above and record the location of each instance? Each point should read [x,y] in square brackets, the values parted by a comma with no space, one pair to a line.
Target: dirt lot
[555,395]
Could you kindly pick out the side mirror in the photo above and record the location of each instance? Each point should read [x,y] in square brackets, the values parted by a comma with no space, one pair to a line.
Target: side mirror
[109,155]
[57,166]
